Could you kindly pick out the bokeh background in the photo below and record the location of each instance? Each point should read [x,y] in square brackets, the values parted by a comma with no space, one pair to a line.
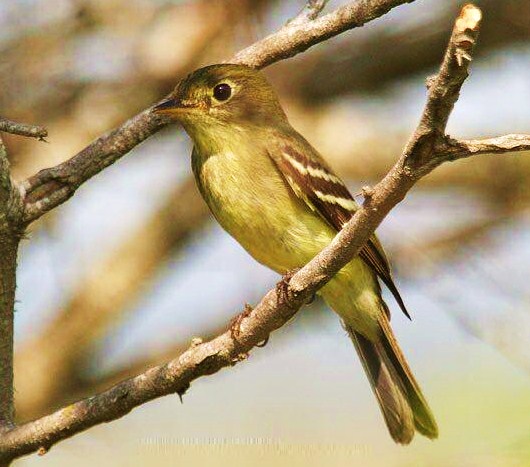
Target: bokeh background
[133,267]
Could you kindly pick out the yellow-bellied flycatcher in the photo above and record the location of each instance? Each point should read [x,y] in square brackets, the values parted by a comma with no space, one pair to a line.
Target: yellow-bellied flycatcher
[271,190]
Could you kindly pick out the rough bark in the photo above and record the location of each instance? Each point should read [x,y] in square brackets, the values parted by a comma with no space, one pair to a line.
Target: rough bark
[11,208]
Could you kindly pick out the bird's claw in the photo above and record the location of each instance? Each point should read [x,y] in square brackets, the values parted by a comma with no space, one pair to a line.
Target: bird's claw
[282,287]
[235,324]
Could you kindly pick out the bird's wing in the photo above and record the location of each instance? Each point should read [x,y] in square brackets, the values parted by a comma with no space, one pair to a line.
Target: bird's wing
[312,180]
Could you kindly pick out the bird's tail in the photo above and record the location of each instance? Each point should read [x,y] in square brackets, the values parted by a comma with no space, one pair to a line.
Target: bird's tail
[404,408]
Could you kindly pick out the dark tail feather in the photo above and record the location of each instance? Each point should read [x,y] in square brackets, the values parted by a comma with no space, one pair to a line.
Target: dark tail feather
[403,406]
[392,401]
[423,417]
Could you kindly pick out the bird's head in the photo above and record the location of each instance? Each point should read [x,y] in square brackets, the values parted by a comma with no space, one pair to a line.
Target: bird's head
[222,95]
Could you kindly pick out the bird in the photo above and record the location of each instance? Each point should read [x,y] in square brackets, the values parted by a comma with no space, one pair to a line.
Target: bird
[277,196]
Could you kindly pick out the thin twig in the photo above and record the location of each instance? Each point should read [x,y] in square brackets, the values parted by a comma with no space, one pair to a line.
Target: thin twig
[23,129]
[460,149]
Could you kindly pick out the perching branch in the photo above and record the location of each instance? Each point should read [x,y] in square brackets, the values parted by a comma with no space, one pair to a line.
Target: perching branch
[310,12]
[53,186]
[428,148]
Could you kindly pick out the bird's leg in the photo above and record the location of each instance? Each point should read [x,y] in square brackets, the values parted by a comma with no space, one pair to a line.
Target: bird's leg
[235,324]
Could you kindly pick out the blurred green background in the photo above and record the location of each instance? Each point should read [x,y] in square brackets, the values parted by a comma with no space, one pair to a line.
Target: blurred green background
[128,271]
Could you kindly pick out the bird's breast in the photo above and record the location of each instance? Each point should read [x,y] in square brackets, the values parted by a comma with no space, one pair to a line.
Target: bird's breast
[250,199]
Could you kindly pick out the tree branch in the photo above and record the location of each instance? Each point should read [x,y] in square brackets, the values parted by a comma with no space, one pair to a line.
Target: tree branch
[23,129]
[310,12]
[53,186]
[295,38]
[11,208]
[502,144]
[426,149]
[444,90]
[370,62]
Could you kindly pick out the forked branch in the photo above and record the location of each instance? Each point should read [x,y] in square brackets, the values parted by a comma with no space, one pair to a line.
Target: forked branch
[53,186]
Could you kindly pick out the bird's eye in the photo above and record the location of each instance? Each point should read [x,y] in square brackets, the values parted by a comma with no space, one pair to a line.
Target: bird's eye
[222,92]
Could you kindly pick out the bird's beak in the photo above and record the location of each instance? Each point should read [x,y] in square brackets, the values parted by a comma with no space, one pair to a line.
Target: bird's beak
[173,107]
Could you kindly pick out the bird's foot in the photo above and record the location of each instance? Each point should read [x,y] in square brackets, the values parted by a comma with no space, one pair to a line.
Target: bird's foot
[282,287]
[235,324]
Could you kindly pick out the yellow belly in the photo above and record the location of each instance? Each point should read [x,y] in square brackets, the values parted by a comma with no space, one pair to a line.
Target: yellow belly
[253,203]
